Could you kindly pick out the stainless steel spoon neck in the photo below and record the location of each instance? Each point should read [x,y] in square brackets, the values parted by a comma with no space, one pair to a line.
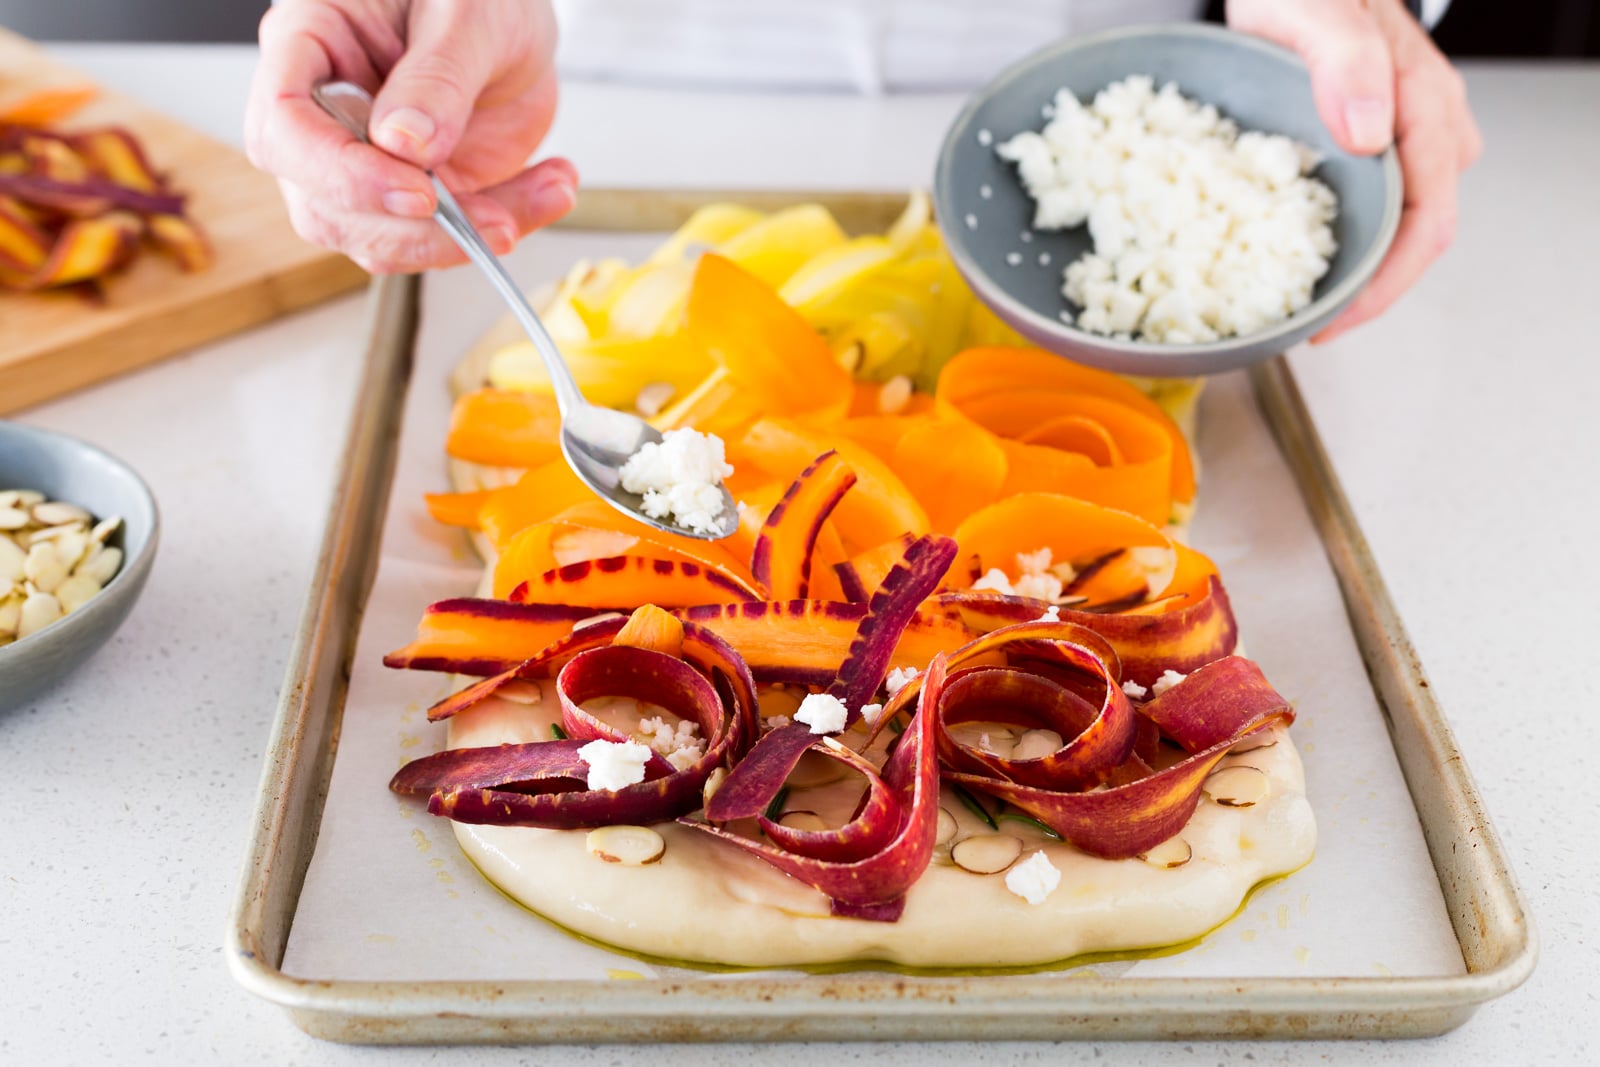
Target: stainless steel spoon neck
[569,398]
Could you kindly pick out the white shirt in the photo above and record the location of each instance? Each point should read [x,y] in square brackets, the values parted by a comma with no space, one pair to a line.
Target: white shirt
[869,46]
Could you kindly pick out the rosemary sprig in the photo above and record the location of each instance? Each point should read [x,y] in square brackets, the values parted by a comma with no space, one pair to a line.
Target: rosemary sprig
[974,805]
[775,808]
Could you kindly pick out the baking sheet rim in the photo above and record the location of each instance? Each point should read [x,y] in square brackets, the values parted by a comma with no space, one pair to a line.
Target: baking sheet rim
[1499,957]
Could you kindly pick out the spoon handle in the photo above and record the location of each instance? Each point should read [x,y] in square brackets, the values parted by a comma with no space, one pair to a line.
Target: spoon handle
[569,398]
[351,106]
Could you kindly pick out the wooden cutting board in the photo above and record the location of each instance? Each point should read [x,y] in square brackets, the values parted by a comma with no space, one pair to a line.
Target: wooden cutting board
[51,344]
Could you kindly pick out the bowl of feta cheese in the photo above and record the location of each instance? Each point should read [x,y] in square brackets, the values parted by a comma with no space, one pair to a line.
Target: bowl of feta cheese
[1161,200]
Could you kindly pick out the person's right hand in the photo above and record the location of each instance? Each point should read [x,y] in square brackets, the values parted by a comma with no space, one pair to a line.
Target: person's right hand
[466,88]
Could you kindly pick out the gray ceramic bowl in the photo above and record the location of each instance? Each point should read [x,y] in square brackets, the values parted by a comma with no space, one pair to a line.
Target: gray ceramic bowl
[1259,85]
[65,468]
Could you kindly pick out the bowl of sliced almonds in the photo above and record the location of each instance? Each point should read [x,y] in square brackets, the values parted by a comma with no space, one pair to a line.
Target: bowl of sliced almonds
[78,533]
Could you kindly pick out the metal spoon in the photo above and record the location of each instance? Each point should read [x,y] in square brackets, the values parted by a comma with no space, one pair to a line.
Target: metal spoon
[596,441]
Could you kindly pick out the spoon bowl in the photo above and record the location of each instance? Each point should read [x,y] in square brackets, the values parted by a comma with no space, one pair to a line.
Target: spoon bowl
[596,441]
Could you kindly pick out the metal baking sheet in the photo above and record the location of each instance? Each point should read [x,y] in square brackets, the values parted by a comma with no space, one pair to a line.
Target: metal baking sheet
[1486,911]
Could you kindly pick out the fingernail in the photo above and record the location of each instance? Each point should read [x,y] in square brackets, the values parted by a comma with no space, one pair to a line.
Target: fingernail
[502,239]
[558,189]
[408,204]
[1366,119]
[406,127]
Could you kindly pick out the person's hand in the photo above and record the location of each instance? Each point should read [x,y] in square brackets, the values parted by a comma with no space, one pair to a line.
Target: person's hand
[1377,78]
[464,87]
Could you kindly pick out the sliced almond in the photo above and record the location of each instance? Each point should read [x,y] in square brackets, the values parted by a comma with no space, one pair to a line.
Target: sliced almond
[13,518]
[849,357]
[520,692]
[992,738]
[38,611]
[72,546]
[631,846]
[653,397]
[947,827]
[1237,787]
[713,783]
[76,591]
[10,615]
[895,395]
[56,512]
[1036,744]
[104,529]
[986,853]
[1173,852]
[102,565]
[10,497]
[50,533]
[11,563]
[1259,739]
[44,568]
[802,820]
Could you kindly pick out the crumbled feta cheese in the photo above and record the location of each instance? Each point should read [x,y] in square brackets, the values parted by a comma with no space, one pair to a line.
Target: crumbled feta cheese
[684,758]
[871,713]
[1036,562]
[1167,680]
[1199,231]
[614,764]
[986,743]
[1038,586]
[1135,690]
[1051,614]
[680,744]
[778,722]
[823,713]
[680,479]
[899,678]
[1034,879]
[994,581]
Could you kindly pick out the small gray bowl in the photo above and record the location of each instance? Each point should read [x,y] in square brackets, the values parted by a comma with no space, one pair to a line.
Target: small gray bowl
[1259,85]
[65,468]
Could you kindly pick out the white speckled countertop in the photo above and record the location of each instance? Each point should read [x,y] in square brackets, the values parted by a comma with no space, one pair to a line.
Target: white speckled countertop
[1463,425]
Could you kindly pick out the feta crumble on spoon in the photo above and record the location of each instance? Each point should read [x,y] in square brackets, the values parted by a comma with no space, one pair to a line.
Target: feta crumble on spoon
[680,479]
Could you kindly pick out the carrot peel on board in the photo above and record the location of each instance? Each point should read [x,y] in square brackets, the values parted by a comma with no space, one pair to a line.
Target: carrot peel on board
[75,207]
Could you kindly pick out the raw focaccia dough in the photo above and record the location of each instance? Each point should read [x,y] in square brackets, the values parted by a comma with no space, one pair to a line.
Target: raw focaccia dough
[707,902]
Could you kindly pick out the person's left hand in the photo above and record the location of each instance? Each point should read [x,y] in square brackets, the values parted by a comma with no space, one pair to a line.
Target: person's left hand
[1377,78]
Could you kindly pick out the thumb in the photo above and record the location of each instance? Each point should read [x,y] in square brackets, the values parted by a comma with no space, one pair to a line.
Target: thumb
[1352,67]
[426,101]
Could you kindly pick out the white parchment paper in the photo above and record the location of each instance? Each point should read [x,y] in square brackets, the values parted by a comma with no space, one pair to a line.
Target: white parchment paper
[389,896]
